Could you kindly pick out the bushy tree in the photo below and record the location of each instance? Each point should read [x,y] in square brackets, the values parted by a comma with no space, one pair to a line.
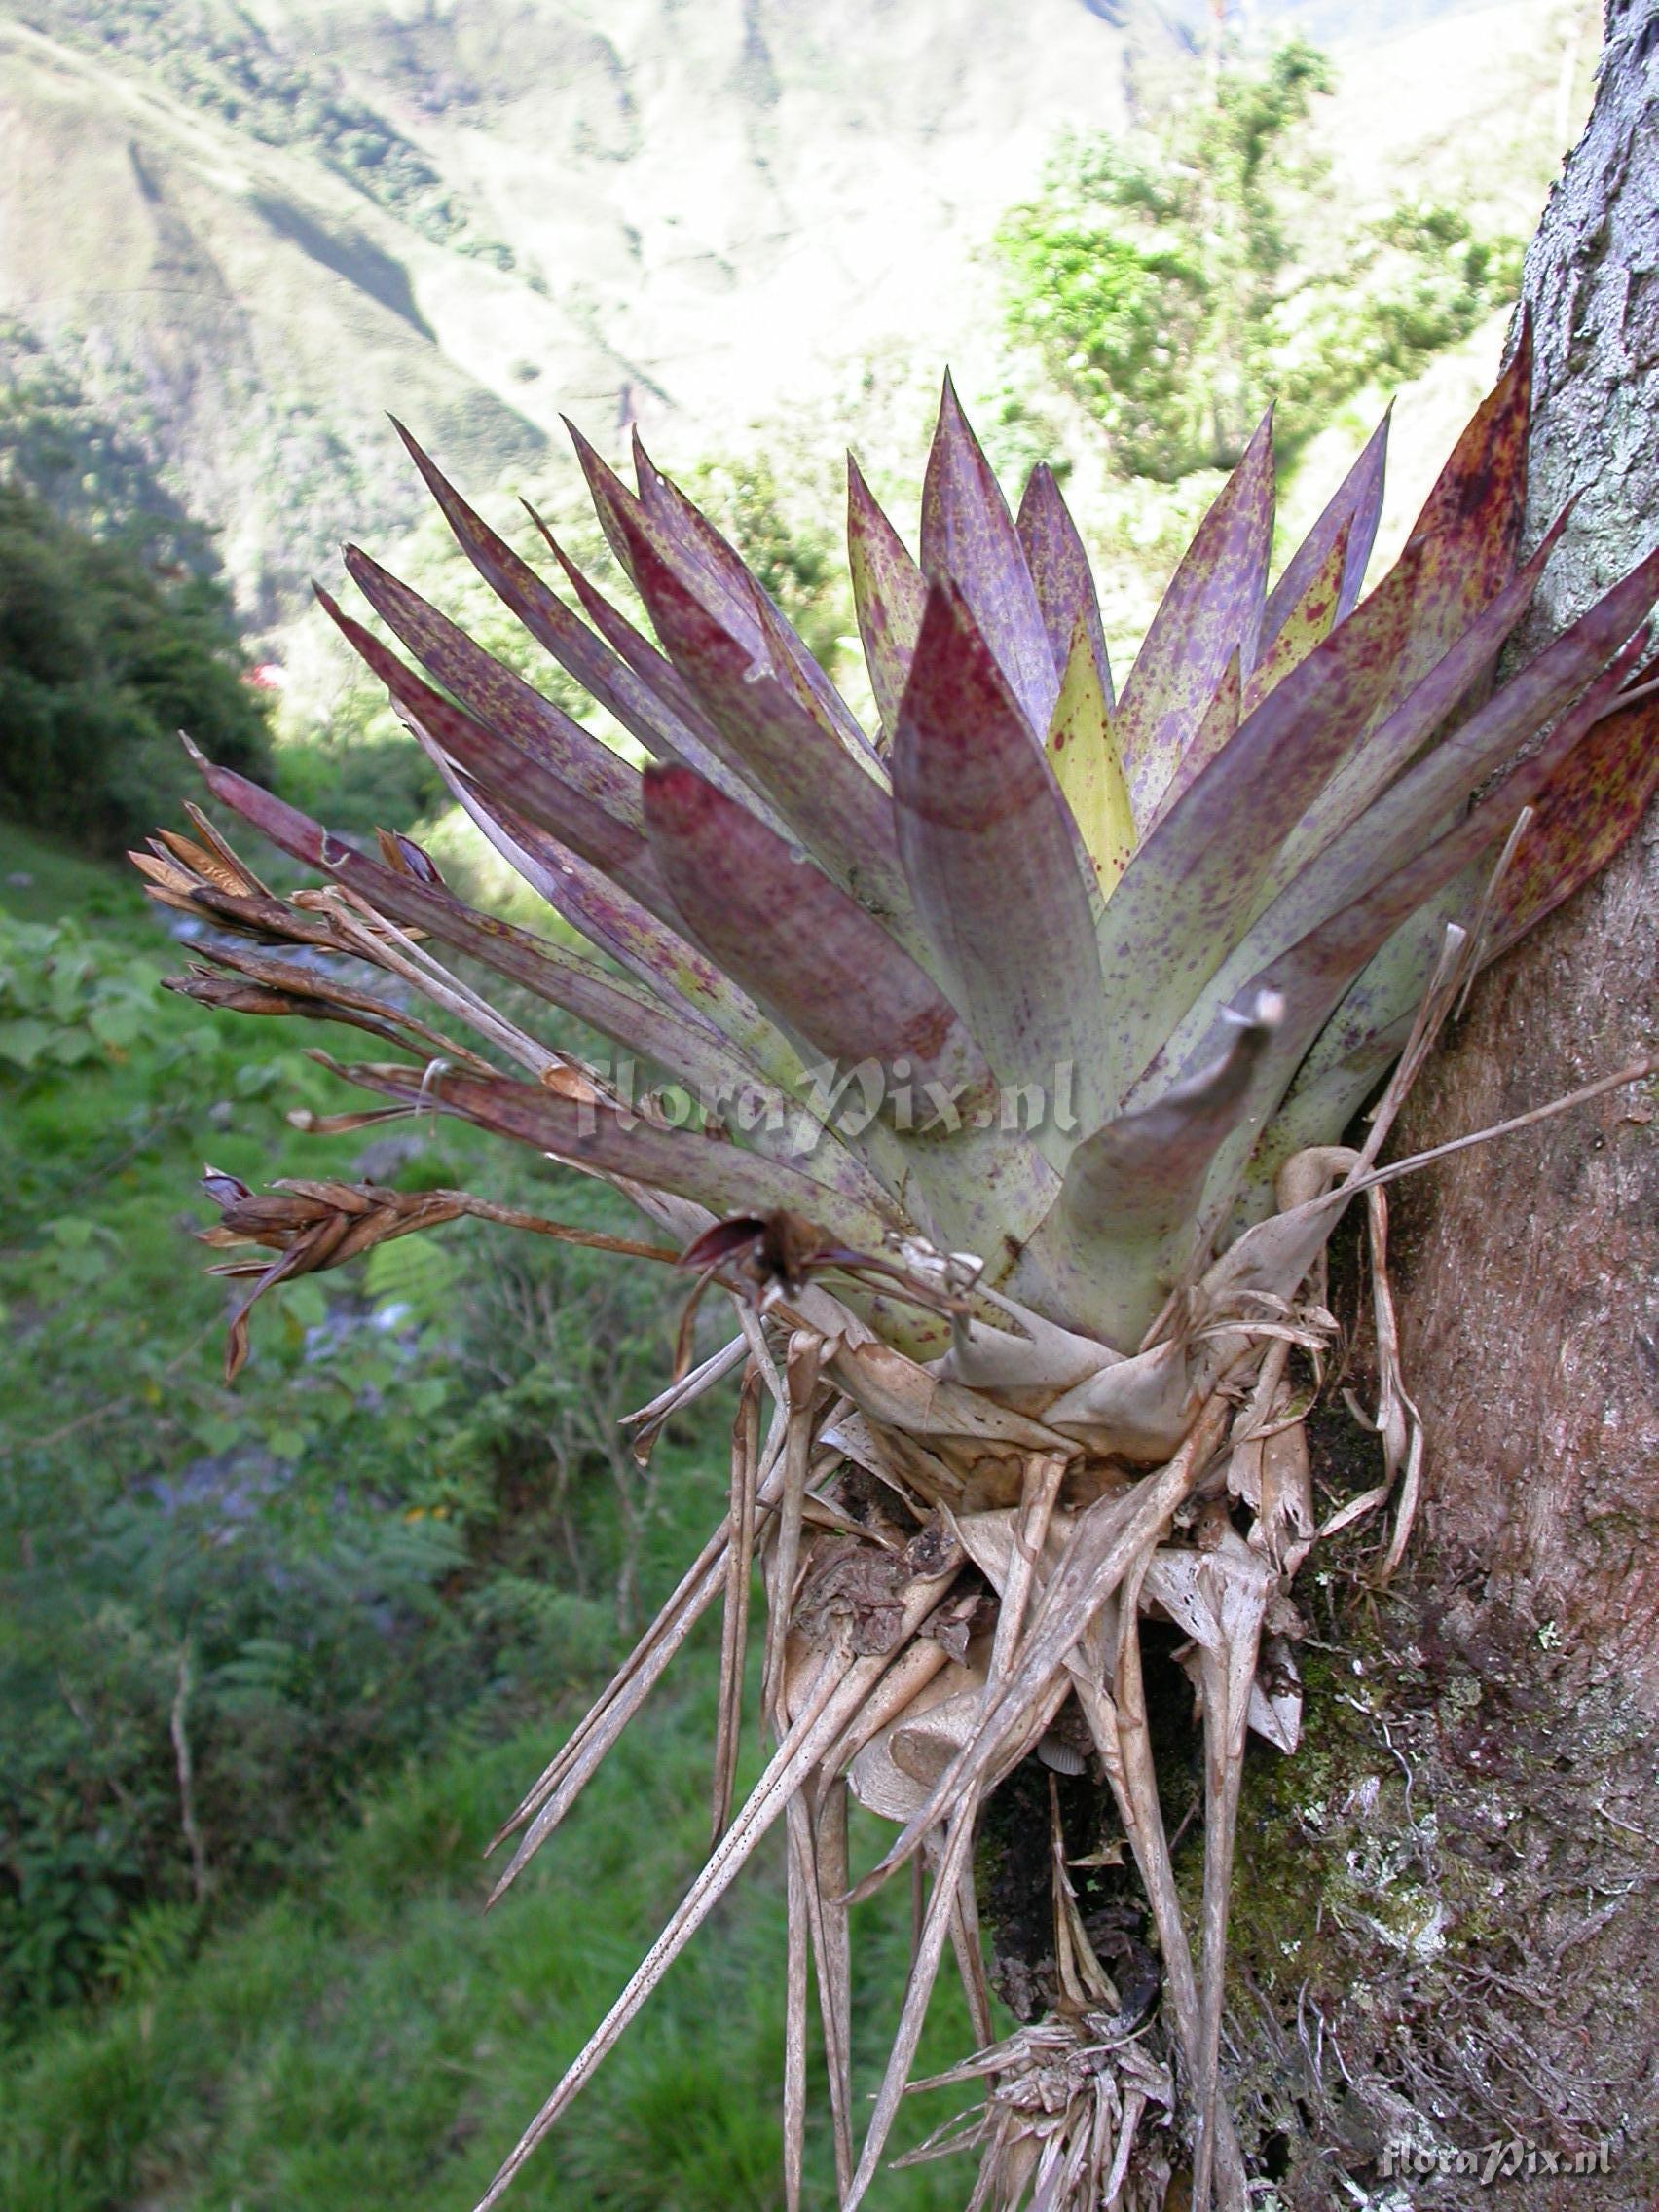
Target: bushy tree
[103,658]
[1176,281]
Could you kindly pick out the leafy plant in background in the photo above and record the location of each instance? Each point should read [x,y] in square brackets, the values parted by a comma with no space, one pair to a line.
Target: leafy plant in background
[349,1558]
[1012,1044]
[103,654]
[1177,280]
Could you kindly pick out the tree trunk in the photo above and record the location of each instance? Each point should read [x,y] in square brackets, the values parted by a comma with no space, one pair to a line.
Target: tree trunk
[1444,1967]
[1532,1308]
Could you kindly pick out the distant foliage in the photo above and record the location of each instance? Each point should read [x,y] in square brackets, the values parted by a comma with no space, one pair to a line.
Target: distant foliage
[1176,281]
[105,654]
[416,1509]
[243,76]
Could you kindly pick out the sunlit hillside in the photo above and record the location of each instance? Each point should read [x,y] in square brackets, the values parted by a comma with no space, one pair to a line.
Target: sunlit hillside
[247,231]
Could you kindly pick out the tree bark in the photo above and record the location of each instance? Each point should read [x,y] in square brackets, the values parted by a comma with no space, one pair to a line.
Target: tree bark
[1531,1293]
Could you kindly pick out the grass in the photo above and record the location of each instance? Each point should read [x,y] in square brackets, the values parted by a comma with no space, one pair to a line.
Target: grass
[375,2041]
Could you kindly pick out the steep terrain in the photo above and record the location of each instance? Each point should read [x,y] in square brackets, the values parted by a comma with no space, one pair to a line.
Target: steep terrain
[248,231]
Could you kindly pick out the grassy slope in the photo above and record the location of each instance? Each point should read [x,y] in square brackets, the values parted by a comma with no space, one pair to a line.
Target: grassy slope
[373,2042]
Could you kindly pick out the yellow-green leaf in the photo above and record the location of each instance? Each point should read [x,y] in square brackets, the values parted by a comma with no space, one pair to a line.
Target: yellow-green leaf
[1083,753]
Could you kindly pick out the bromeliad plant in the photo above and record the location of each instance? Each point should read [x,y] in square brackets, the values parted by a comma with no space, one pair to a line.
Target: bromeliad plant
[1024,1029]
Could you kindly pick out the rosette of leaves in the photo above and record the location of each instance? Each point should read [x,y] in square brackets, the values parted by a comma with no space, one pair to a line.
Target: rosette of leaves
[1108,970]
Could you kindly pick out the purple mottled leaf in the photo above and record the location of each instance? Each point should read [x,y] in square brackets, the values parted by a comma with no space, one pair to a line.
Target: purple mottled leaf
[500,767]
[1061,576]
[684,1044]
[889,591]
[991,851]
[1352,514]
[715,572]
[713,1172]
[619,926]
[493,694]
[813,958]
[1188,895]
[1120,1235]
[1313,974]
[832,804]
[601,672]
[630,644]
[1309,622]
[969,538]
[618,509]
[1219,727]
[1212,610]
[1469,531]
[1584,812]
[1414,802]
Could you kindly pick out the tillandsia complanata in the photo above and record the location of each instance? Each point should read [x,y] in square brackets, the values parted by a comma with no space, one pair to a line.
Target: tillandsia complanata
[1106,974]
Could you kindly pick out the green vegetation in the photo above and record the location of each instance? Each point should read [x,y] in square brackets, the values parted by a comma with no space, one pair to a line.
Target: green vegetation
[366,1589]
[103,657]
[1176,281]
[226,65]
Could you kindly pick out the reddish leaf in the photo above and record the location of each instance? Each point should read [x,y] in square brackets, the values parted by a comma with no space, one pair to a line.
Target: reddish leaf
[970,540]
[504,769]
[1061,576]
[1186,897]
[638,1021]
[495,695]
[993,854]
[1585,810]
[835,807]
[715,573]
[1212,610]
[1354,509]
[815,960]
[596,668]
[889,591]
[713,1172]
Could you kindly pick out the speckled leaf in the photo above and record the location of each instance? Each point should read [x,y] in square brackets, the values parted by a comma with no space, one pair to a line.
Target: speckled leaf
[1352,512]
[1212,610]
[640,710]
[1219,727]
[615,924]
[970,540]
[835,807]
[1061,574]
[1083,752]
[615,1006]
[493,694]
[1190,891]
[1417,800]
[713,1172]
[1585,811]
[1469,530]
[889,591]
[993,859]
[817,961]
[629,644]
[613,840]
[1313,974]
[715,573]
[1308,621]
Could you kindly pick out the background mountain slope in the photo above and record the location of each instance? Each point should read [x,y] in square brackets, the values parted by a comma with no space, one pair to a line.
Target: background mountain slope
[248,231]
